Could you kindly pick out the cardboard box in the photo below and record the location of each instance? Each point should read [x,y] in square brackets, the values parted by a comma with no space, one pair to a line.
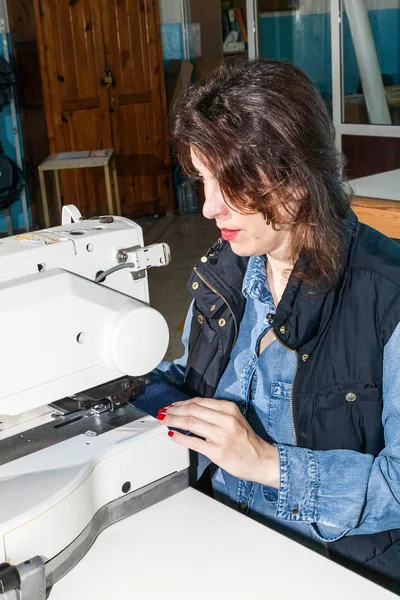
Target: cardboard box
[204,66]
[178,76]
[355,110]
[393,95]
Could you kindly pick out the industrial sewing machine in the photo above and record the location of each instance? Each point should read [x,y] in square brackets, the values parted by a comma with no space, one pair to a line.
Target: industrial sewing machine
[77,337]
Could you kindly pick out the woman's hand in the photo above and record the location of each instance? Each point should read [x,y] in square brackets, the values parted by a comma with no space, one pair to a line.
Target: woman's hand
[225,437]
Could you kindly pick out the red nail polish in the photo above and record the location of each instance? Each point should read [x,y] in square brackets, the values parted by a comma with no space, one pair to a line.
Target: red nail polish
[171,433]
[161,416]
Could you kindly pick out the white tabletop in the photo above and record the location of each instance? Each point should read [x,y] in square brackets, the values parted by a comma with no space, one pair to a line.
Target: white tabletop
[191,547]
[383,185]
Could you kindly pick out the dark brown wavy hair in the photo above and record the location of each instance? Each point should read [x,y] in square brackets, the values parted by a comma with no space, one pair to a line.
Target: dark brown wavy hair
[264,132]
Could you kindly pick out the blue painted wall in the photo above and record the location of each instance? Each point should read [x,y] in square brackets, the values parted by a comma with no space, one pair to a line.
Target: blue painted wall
[302,39]
[8,145]
[385,25]
[306,41]
[172,42]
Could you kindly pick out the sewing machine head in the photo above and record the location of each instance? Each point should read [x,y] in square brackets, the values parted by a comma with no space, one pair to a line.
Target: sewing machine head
[74,310]
[75,453]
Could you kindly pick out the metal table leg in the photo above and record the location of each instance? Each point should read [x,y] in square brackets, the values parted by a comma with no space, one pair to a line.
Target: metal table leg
[116,188]
[109,191]
[44,198]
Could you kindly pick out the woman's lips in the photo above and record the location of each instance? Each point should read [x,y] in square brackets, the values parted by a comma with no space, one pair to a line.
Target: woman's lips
[229,234]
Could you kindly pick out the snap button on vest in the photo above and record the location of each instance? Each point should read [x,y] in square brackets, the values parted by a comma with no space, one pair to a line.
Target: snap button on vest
[200,319]
[195,285]
[212,308]
[282,329]
[304,357]
[350,397]
[222,322]
[203,259]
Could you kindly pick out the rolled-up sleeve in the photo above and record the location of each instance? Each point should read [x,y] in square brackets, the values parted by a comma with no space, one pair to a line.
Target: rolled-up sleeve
[341,492]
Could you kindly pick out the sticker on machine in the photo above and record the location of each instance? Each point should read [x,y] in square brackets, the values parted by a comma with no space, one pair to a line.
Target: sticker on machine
[35,238]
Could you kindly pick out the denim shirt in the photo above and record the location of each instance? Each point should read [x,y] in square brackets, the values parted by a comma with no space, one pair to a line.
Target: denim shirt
[334,492]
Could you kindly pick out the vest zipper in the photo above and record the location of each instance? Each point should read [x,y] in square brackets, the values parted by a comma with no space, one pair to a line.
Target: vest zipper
[224,299]
[291,389]
[291,406]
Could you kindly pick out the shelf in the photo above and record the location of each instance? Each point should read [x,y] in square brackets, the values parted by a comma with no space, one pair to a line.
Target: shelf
[238,53]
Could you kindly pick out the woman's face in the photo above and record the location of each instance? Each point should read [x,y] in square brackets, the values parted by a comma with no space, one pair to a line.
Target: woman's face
[248,234]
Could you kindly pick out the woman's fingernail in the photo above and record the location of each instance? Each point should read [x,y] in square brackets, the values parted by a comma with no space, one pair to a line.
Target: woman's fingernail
[171,433]
[161,416]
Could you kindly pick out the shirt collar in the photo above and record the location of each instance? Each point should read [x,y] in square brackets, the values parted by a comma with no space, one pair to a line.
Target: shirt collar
[255,283]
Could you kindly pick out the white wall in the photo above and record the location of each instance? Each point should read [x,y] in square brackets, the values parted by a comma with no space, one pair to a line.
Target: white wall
[170,11]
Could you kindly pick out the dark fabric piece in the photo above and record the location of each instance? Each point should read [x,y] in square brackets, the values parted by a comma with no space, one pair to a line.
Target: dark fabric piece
[7,81]
[157,394]
[11,181]
[339,336]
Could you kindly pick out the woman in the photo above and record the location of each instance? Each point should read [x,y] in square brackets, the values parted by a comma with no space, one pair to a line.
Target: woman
[292,340]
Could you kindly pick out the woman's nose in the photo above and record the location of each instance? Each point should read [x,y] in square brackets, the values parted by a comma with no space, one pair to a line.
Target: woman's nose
[214,205]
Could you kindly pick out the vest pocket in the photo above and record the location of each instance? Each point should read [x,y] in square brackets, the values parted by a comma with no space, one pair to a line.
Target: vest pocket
[346,398]
[202,325]
[350,418]
[209,344]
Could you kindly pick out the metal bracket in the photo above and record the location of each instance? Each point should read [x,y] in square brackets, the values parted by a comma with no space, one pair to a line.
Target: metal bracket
[156,255]
[103,397]
[28,582]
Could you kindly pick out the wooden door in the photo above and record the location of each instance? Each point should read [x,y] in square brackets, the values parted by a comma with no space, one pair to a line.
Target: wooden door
[79,49]
[77,112]
[137,102]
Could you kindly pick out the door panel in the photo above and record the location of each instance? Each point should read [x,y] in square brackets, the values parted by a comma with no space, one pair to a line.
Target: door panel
[138,106]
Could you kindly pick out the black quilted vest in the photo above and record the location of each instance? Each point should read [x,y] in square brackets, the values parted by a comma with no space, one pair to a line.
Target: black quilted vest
[338,335]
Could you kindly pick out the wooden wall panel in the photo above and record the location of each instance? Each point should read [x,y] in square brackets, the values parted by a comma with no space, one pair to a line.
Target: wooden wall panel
[370,155]
[138,105]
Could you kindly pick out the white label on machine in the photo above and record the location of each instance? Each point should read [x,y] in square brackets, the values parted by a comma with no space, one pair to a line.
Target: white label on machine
[35,238]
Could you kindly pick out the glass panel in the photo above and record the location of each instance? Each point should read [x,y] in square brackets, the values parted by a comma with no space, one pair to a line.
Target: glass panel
[298,31]
[371,61]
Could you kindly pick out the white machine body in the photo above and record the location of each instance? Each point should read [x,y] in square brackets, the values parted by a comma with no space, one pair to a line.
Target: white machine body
[49,497]
[63,333]
[74,316]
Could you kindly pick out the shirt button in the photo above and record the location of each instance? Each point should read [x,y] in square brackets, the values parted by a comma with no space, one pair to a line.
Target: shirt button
[270,318]
[203,259]
[222,322]
[351,396]
[195,285]
[295,511]
[243,505]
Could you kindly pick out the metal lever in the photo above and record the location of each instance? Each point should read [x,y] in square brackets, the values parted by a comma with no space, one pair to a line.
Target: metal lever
[155,255]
